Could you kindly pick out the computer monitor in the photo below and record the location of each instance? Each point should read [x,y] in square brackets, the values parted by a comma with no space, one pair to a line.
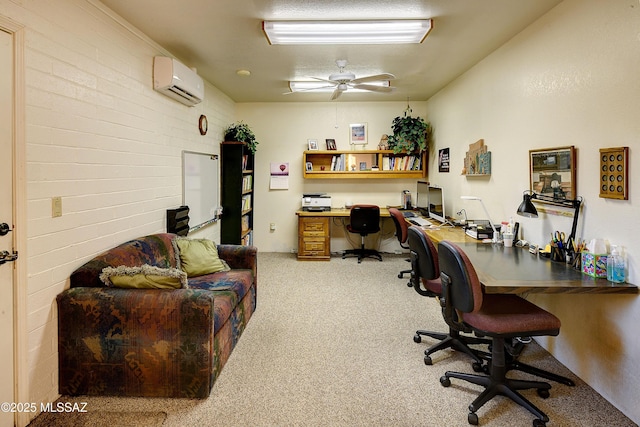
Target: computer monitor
[430,201]
[422,198]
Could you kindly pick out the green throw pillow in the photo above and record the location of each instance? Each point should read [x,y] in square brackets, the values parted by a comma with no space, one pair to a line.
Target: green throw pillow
[198,256]
[144,277]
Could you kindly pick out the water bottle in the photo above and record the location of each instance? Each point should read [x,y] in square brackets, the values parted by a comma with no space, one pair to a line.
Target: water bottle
[615,266]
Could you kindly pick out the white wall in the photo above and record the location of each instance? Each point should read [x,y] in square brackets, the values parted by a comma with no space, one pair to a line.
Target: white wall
[569,79]
[282,130]
[98,136]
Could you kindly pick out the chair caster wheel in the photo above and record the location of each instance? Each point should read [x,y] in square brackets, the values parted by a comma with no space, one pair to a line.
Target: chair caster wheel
[477,367]
[409,285]
[446,382]
[539,423]
[472,418]
[417,338]
[543,393]
[400,276]
[428,361]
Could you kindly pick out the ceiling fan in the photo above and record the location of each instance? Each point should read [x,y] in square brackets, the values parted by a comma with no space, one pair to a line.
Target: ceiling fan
[344,80]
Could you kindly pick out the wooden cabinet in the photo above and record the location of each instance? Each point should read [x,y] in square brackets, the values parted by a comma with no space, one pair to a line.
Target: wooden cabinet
[384,164]
[237,194]
[313,238]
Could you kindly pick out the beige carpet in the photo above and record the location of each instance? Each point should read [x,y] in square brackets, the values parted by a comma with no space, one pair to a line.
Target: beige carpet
[331,344]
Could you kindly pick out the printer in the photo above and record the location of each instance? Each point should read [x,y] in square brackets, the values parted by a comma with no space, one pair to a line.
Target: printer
[316,202]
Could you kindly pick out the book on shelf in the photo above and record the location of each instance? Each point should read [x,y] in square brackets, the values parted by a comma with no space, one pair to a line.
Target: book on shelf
[245,222]
[247,183]
[246,202]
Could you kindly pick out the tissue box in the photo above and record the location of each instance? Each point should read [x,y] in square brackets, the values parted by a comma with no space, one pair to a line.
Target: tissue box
[594,265]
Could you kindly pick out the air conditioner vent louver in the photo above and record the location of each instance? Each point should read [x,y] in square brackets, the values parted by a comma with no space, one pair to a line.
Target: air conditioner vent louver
[177,81]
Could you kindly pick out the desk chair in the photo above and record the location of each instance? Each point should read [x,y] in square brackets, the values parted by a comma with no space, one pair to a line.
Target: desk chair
[363,220]
[425,278]
[497,316]
[402,235]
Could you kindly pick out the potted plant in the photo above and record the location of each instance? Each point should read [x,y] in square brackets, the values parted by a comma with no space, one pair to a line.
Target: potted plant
[241,132]
[410,134]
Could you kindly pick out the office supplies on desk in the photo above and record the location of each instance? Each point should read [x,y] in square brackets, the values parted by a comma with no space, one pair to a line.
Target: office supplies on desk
[479,229]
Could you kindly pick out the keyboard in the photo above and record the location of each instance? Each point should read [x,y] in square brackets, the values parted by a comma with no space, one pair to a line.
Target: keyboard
[419,221]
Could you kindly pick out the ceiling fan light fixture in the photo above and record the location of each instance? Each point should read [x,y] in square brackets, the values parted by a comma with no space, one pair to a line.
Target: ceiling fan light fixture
[392,31]
[322,86]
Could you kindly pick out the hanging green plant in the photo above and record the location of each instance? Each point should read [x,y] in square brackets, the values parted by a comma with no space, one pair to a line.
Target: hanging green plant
[241,132]
[410,134]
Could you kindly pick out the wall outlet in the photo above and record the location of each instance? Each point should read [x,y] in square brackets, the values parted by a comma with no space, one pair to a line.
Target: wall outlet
[56,207]
[272,226]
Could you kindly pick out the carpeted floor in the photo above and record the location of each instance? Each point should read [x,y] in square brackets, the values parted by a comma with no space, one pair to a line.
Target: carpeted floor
[331,344]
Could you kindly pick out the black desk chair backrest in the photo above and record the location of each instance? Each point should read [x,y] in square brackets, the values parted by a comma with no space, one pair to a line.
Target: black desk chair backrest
[363,220]
[402,234]
[425,277]
[425,268]
[499,316]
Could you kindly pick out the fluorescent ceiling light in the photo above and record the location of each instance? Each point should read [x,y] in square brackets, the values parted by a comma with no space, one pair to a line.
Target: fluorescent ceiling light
[347,32]
[321,86]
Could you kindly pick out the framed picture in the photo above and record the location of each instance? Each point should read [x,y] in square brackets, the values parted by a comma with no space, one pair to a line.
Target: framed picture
[308,166]
[313,144]
[331,144]
[553,172]
[358,134]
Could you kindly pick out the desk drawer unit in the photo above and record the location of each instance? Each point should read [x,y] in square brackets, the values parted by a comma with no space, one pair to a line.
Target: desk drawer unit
[313,238]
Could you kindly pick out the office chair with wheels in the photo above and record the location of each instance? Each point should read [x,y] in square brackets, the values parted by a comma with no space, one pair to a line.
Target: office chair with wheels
[363,220]
[500,317]
[425,278]
[401,233]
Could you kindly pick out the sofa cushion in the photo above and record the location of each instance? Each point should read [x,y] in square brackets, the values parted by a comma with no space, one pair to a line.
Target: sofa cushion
[198,257]
[144,277]
[229,287]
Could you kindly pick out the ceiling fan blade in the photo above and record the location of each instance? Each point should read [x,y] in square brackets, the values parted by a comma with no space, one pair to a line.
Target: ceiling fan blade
[375,78]
[336,93]
[374,88]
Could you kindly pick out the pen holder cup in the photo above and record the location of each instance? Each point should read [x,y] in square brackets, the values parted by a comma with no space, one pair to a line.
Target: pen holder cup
[558,254]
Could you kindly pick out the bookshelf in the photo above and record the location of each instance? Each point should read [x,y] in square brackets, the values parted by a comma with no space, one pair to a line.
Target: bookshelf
[237,194]
[331,164]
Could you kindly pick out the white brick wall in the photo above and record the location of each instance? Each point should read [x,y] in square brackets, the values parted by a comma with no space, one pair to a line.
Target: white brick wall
[102,139]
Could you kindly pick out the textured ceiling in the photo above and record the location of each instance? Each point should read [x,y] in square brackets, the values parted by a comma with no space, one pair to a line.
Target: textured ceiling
[222,36]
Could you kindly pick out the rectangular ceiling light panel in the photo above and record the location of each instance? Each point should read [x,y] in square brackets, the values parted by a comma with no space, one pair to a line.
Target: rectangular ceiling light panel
[400,31]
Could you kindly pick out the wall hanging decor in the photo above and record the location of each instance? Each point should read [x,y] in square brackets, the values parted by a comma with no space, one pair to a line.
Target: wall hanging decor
[478,160]
[613,173]
[552,172]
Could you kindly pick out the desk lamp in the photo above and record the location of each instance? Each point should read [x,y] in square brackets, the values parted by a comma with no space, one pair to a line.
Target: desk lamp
[528,210]
[493,227]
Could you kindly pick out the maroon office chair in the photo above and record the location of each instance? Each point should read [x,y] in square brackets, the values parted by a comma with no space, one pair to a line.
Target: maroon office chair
[425,278]
[363,220]
[500,317]
[402,234]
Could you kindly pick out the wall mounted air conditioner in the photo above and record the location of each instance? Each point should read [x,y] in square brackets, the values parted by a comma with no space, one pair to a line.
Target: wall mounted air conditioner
[177,81]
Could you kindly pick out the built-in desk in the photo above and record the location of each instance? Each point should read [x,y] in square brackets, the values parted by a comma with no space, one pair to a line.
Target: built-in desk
[514,270]
[314,238]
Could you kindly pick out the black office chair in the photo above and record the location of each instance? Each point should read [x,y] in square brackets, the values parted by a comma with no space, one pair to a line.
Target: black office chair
[401,233]
[500,317]
[363,220]
[425,278]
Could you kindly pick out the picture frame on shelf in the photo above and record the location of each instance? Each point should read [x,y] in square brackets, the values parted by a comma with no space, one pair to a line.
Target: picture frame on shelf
[308,166]
[552,172]
[313,144]
[358,134]
[331,144]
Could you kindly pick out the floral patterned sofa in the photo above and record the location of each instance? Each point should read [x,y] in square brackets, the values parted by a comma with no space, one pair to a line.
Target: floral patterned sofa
[152,342]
